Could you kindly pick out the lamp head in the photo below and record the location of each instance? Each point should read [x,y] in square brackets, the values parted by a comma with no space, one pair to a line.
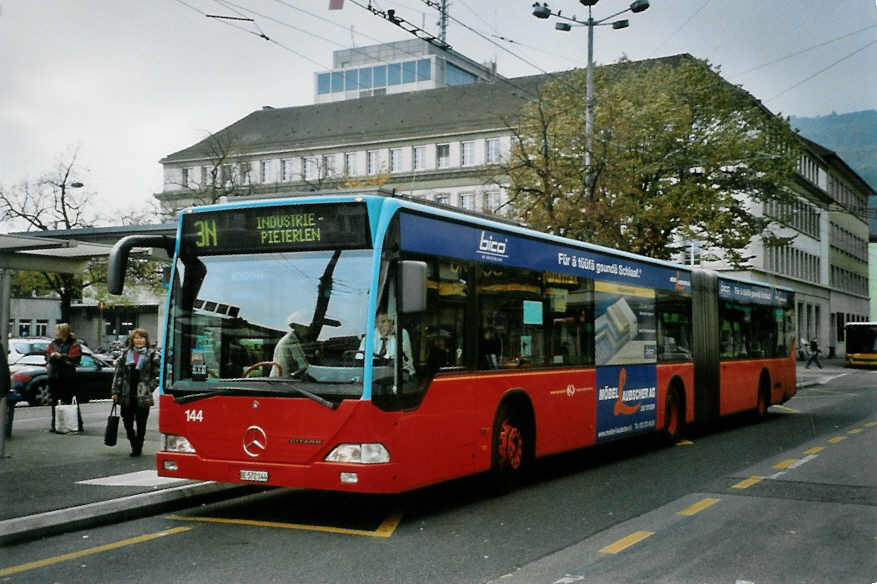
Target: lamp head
[541,10]
[589,2]
[565,27]
[620,24]
[639,5]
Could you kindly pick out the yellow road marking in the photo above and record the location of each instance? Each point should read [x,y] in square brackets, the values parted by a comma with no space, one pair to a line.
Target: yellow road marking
[814,450]
[386,528]
[699,506]
[837,439]
[625,542]
[870,424]
[90,551]
[745,484]
[785,464]
[685,443]
[855,431]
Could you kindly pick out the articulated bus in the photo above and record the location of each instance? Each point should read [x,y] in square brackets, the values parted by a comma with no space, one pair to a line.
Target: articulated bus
[861,344]
[372,343]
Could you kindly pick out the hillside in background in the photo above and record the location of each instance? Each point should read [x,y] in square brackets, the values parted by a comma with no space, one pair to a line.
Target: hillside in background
[853,136]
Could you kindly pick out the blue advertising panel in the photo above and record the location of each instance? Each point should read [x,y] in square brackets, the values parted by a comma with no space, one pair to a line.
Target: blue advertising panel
[745,293]
[626,402]
[446,238]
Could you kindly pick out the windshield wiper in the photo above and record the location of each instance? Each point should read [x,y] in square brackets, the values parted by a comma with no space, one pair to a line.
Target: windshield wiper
[244,390]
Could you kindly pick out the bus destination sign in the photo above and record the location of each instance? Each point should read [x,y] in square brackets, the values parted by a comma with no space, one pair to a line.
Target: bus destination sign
[280,228]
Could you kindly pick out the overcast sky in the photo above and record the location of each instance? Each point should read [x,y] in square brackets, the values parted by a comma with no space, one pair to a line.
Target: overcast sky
[130,81]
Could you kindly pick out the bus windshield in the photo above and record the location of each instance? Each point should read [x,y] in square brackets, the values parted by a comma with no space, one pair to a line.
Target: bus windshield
[272,323]
[862,338]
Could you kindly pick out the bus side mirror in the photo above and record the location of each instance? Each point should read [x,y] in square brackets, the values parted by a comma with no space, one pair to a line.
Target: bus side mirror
[119,257]
[412,275]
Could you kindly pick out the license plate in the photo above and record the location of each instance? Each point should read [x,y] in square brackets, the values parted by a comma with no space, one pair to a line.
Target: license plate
[257,476]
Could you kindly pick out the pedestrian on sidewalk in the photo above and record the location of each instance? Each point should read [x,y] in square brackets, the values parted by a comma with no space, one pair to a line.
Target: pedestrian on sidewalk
[814,353]
[135,378]
[62,357]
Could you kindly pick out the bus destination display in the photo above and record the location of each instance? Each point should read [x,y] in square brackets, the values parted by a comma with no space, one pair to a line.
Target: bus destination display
[286,228]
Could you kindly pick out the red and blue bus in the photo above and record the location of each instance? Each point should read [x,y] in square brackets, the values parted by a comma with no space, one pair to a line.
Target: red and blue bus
[373,343]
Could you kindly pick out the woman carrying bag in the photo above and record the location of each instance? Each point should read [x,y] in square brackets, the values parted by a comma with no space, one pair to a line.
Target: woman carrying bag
[62,357]
[135,379]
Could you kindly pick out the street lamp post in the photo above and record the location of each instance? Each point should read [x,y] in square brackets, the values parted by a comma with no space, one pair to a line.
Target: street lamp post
[543,11]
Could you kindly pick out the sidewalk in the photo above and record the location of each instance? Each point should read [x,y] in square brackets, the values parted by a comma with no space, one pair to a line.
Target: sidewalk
[51,482]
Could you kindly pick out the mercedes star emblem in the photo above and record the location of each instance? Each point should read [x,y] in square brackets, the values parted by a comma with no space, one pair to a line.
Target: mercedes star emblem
[255,441]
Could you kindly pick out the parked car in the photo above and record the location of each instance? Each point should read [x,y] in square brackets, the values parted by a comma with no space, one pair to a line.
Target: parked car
[20,347]
[94,378]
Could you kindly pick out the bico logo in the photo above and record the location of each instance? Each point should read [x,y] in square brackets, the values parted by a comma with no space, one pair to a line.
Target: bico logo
[490,246]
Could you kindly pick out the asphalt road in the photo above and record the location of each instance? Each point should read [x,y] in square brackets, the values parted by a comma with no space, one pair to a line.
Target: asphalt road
[792,499]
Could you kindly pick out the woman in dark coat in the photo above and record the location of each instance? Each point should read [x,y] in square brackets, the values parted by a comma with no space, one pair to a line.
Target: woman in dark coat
[62,357]
[135,379]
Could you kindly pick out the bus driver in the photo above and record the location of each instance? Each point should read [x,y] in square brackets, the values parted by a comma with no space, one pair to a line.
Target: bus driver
[385,343]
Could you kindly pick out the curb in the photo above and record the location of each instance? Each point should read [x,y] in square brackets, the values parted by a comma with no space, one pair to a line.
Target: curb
[124,508]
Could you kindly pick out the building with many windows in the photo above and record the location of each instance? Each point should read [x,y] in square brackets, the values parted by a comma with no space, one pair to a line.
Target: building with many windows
[436,134]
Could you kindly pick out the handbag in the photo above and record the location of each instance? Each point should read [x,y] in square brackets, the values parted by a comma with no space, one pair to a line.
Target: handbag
[67,417]
[112,430]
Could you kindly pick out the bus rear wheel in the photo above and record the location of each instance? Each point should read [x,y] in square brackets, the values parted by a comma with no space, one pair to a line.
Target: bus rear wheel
[510,449]
[673,417]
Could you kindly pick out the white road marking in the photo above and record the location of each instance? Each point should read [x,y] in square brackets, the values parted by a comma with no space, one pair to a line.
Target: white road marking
[142,478]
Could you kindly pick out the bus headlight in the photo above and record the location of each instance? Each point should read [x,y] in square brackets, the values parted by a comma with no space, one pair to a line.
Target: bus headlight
[369,453]
[174,443]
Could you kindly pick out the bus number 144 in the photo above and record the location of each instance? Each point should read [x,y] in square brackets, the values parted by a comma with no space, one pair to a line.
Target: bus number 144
[194,415]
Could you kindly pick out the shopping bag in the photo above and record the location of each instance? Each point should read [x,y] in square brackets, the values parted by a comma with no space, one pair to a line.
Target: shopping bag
[112,430]
[67,417]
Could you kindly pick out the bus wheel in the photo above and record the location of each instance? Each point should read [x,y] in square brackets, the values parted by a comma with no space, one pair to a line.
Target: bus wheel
[673,417]
[763,399]
[509,450]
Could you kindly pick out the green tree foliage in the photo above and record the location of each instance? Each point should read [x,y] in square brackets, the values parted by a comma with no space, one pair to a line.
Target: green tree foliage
[677,153]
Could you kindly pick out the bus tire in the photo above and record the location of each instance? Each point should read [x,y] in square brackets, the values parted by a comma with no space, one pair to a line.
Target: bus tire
[763,401]
[511,447]
[674,415]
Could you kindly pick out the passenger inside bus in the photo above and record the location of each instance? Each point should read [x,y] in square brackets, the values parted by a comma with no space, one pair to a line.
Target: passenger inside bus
[288,353]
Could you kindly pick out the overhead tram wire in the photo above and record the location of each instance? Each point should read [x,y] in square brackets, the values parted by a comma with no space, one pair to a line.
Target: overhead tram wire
[260,34]
[802,51]
[823,70]
[683,25]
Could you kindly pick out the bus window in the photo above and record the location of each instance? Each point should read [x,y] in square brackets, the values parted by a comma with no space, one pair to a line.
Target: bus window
[512,311]
[674,326]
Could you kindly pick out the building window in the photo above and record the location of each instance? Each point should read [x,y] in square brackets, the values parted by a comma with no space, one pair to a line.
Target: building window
[323,83]
[409,71]
[396,160]
[329,168]
[350,163]
[379,77]
[365,78]
[263,171]
[371,162]
[185,180]
[456,76]
[337,81]
[491,201]
[42,329]
[204,175]
[419,156]
[244,172]
[285,170]
[443,198]
[350,79]
[24,327]
[394,74]
[467,154]
[492,151]
[424,70]
[311,169]
[442,155]
[467,201]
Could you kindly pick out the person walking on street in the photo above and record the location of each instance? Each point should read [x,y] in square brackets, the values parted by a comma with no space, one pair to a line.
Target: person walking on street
[134,380]
[814,354]
[62,357]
